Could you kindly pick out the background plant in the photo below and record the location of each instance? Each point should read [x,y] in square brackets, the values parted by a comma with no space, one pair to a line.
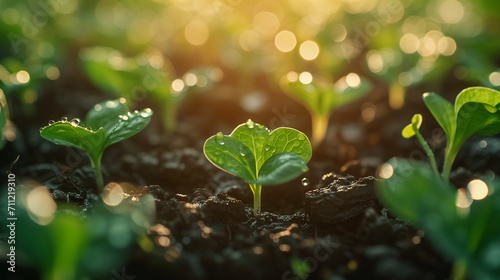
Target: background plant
[462,229]
[321,99]
[259,156]
[146,75]
[106,123]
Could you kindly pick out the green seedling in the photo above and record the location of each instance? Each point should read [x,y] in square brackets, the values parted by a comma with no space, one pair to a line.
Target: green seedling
[259,156]
[462,225]
[322,99]
[475,113]
[144,75]
[64,245]
[106,123]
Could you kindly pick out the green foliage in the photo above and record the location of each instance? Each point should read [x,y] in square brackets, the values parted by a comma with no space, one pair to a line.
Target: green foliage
[475,113]
[469,236]
[322,99]
[259,156]
[145,74]
[65,245]
[106,123]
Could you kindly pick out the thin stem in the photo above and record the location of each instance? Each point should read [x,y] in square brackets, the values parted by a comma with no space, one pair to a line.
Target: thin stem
[427,149]
[169,112]
[256,189]
[449,158]
[319,128]
[96,166]
[459,270]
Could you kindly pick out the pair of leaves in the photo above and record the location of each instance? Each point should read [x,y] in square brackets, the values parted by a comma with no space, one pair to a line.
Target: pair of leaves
[475,113]
[260,156]
[106,123]
[417,194]
[323,99]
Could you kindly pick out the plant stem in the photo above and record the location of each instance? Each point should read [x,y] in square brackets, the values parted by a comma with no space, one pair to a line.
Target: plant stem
[169,114]
[256,189]
[449,158]
[459,270]
[427,149]
[319,128]
[96,166]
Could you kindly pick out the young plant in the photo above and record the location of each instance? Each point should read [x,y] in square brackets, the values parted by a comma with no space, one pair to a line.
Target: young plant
[322,99]
[146,74]
[106,123]
[259,156]
[466,233]
[475,113]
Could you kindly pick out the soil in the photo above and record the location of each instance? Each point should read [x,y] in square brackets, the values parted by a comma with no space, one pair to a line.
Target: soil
[332,220]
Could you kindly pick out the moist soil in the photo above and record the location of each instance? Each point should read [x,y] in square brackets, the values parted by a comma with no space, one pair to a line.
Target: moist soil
[329,220]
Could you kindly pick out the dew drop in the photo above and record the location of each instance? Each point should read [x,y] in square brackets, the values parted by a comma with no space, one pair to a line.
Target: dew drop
[267,147]
[301,137]
[219,137]
[250,123]
[305,182]
[136,112]
[75,122]
[129,114]
[51,122]
[64,119]
[273,151]
[242,150]
[41,129]
[123,117]
[135,198]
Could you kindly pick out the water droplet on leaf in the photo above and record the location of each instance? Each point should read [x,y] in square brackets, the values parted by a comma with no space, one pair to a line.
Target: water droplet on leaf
[64,119]
[305,182]
[219,137]
[75,122]
[51,122]
[250,123]
[123,117]
[41,128]
[136,112]
[301,137]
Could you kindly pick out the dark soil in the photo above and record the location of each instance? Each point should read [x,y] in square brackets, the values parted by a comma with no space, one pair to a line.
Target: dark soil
[332,222]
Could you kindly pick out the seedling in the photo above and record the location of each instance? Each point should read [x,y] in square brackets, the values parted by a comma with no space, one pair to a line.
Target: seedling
[106,123]
[475,113]
[146,75]
[260,156]
[322,100]
[467,233]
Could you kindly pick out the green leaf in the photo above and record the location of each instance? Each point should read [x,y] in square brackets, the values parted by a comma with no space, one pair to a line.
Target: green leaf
[280,168]
[323,99]
[254,136]
[285,139]
[443,112]
[67,134]
[409,130]
[105,114]
[472,234]
[231,155]
[477,113]
[251,147]
[128,125]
